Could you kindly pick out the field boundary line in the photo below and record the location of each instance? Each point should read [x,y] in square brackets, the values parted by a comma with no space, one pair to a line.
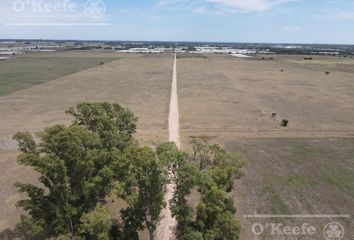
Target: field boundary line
[298,216]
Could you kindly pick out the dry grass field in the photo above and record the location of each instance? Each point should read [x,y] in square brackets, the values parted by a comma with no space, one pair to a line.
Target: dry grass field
[305,168]
[23,71]
[139,82]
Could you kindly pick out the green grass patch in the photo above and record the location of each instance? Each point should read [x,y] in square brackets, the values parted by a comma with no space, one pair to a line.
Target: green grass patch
[24,72]
[297,182]
[274,200]
[340,178]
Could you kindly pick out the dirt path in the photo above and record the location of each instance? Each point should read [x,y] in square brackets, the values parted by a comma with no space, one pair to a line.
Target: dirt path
[173,118]
[168,223]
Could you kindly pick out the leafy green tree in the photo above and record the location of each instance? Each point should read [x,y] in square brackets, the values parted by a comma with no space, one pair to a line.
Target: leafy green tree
[146,198]
[114,124]
[184,175]
[78,165]
[95,225]
[25,142]
[211,170]
[215,216]
[147,202]
[73,174]
[223,166]
[201,153]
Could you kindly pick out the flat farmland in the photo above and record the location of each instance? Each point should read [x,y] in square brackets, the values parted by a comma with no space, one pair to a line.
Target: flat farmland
[239,103]
[305,168]
[141,83]
[23,71]
[296,176]
[224,94]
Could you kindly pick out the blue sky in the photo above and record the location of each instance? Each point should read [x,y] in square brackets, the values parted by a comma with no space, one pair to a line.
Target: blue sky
[293,21]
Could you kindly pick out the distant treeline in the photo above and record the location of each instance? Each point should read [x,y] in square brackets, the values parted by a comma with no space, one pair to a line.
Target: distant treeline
[313,51]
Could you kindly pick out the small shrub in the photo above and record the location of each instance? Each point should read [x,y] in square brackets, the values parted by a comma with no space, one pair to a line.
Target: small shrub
[274,115]
[282,70]
[327,73]
[284,123]
[102,63]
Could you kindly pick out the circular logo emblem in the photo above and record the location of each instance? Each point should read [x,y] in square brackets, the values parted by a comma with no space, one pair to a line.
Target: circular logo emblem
[95,9]
[333,231]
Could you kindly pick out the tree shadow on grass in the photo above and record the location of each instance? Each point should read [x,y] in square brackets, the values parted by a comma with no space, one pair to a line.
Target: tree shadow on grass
[16,234]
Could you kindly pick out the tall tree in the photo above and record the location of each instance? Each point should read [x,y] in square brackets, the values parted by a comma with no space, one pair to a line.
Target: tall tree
[210,170]
[78,166]
[114,124]
[147,197]
[184,175]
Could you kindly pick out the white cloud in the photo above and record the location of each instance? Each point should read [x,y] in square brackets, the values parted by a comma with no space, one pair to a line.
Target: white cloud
[230,6]
[250,5]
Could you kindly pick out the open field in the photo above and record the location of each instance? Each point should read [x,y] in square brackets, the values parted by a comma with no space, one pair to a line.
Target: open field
[232,96]
[138,82]
[21,72]
[296,176]
[305,168]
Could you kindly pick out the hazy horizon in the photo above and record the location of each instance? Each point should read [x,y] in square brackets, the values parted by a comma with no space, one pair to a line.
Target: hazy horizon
[162,41]
[227,21]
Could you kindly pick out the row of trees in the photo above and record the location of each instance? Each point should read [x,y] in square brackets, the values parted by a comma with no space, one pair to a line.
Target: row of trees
[80,166]
[209,173]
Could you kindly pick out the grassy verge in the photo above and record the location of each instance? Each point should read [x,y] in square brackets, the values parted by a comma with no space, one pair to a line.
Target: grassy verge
[21,73]
[340,178]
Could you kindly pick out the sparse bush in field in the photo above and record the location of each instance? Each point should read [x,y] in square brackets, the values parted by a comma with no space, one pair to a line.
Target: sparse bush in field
[308,58]
[102,63]
[327,73]
[282,70]
[284,123]
[274,115]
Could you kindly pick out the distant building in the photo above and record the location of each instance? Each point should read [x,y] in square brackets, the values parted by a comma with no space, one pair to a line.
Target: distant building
[142,50]
[8,53]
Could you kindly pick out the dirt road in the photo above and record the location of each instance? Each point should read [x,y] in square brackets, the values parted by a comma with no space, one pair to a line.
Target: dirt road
[167,224]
